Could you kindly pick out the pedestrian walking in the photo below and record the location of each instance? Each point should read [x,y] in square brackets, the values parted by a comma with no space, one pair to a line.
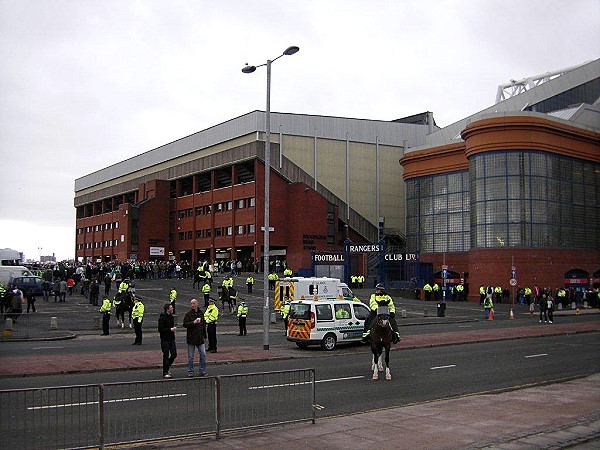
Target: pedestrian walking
[30,300]
[105,311]
[167,329]
[242,313]
[137,315]
[488,306]
[550,308]
[543,308]
[196,335]
[211,316]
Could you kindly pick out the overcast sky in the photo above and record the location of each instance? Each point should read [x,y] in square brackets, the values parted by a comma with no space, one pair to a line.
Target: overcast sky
[85,84]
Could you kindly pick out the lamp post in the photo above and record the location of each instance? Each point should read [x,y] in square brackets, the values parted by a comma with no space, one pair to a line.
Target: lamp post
[249,69]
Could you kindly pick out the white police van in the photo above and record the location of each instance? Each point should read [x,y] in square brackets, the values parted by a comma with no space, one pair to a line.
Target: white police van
[326,322]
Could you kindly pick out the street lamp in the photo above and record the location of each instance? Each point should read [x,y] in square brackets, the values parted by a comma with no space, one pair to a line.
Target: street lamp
[249,69]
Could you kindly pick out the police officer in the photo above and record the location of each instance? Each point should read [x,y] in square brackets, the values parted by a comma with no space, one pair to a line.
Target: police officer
[459,292]
[173,298]
[249,283]
[124,286]
[285,313]
[211,316]
[137,315]
[242,313]
[206,292]
[427,290]
[481,294]
[380,298]
[105,310]
[287,272]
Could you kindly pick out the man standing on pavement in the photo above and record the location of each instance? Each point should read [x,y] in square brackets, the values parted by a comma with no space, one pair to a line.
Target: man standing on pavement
[105,310]
[195,326]
[211,315]
[137,315]
[166,329]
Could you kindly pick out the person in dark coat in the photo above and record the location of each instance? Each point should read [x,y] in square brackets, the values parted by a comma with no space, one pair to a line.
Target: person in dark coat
[166,329]
[196,335]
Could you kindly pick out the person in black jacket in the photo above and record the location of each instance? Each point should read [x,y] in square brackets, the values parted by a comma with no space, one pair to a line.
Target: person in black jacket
[166,329]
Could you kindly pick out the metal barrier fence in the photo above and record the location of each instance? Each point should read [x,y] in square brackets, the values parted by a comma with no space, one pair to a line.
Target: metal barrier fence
[100,415]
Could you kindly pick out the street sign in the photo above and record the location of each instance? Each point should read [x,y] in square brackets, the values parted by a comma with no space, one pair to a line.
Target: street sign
[513,281]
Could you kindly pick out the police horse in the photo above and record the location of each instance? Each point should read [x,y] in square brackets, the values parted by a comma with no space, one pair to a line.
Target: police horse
[124,303]
[381,338]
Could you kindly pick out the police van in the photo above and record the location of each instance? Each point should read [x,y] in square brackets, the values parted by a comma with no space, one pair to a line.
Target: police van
[326,322]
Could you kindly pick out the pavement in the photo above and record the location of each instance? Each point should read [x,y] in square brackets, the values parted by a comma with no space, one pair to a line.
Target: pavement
[549,416]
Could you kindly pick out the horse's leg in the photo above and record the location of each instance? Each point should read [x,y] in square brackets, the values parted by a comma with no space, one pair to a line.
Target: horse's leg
[388,374]
[129,311]
[376,355]
[380,361]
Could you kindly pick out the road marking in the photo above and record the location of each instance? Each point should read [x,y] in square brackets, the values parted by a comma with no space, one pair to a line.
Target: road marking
[118,400]
[319,407]
[443,367]
[536,356]
[270,386]
[464,326]
[44,348]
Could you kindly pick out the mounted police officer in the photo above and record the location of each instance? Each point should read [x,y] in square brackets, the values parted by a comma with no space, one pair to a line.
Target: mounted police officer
[380,298]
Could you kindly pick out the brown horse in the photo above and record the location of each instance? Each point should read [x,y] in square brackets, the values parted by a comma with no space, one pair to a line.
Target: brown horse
[381,338]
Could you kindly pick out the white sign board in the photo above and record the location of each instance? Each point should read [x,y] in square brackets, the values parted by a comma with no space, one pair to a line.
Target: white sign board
[157,251]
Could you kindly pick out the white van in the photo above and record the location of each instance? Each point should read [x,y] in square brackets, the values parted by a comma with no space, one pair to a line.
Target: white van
[9,272]
[326,322]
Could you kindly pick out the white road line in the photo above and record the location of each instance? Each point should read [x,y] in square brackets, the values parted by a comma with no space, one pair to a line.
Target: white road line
[44,348]
[536,356]
[118,400]
[319,407]
[271,386]
[443,367]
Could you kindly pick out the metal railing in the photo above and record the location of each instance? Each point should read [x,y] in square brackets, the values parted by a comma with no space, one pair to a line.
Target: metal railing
[101,415]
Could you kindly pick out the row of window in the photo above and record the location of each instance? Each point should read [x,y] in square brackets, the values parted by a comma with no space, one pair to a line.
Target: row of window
[101,244]
[240,230]
[242,203]
[101,227]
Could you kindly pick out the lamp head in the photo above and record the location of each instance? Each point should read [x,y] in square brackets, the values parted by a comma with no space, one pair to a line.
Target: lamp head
[249,69]
[291,50]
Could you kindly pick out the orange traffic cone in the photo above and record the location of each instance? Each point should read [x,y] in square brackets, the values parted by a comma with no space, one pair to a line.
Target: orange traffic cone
[511,316]
[491,316]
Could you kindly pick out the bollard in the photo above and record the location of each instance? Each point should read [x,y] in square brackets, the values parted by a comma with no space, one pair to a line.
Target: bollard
[8,324]
[425,312]
[585,305]
[404,314]
[96,322]
[53,323]
[559,306]
[273,318]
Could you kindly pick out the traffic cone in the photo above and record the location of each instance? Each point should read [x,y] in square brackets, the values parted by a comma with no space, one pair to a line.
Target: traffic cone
[511,316]
[491,316]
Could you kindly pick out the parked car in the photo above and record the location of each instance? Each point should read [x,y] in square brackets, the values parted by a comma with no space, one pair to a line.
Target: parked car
[25,283]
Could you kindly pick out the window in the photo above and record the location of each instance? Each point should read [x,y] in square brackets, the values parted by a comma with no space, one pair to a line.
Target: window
[241,204]
[324,312]
[342,312]
[240,229]
[251,228]
[252,203]
[229,206]
[217,232]
[228,231]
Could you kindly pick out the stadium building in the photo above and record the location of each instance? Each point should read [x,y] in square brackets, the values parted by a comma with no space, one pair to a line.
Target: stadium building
[513,192]
[202,197]
[513,187]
